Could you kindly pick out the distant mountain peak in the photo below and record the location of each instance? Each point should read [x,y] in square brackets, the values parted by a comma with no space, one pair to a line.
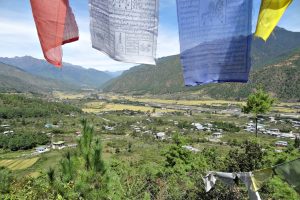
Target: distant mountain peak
[72,74]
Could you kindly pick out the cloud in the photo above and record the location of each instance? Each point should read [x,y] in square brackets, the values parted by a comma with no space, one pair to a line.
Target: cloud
[18,38]
[168,42]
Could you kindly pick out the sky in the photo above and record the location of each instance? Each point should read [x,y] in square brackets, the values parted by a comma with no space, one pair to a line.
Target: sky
[18,36]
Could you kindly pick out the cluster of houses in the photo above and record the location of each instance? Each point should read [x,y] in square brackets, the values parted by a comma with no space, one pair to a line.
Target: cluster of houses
[201,127]
[142,130]
[55,145]
[210,127]
[272,132]
[206,127]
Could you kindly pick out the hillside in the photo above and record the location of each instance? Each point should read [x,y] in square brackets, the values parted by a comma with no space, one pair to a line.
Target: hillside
[166,77]
[280,44]
[72,74]
[13,79]
[281,79]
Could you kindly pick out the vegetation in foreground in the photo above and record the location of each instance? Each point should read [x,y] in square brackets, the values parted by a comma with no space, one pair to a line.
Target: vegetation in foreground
[123,163]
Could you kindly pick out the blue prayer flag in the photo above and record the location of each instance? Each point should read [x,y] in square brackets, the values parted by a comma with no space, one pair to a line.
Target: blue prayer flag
[215,40]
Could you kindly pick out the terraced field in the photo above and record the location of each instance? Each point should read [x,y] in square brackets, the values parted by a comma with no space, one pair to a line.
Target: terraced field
[18,164]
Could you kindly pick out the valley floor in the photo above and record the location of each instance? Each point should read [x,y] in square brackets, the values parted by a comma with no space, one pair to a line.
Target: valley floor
[138,131]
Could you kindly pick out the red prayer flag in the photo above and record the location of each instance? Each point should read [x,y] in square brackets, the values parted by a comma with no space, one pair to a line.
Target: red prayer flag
[56,25]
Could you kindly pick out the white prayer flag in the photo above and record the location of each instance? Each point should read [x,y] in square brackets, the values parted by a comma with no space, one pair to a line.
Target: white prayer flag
[126,30]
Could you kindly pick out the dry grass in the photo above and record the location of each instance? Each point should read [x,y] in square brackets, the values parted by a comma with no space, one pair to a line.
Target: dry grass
[64,95]
[183,102]
[284,109]
[94,107]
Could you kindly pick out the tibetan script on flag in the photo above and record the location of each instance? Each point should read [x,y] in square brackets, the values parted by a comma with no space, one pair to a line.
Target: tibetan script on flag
[215,40]
[126,30]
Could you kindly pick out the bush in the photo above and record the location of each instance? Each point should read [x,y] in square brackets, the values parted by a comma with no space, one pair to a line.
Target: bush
[229,127]
[6,179]
[23,141]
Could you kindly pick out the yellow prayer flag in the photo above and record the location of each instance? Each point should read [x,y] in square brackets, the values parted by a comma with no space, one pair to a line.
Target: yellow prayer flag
[269,15]
[259,177]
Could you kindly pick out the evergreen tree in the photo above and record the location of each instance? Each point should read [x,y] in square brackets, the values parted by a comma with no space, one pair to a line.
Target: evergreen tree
[258,103]
[297,142]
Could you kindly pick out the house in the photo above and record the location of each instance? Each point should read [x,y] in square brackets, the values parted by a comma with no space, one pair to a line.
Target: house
[209,125]
[51,126]
[288,135]
[274,132]
[281,144]
[147,132]
[58,145]
[272,119]
[78,134]
[72,145]
[6,126]
[137,129]
[198,126]
[217,135]
[190,148]
[160,136]
[41,149]
[8,132]
[108,128]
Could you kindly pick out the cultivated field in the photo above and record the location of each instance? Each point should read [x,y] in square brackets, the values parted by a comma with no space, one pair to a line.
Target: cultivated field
[94,107]
[18,164]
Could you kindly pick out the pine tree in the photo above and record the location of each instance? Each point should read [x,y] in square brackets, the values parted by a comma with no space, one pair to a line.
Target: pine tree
[258,103]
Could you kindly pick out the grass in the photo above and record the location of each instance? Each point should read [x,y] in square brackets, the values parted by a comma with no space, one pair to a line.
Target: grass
[18,164]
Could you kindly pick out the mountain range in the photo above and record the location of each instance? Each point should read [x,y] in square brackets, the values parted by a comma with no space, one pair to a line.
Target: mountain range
[275,65]
[74,75]
[14,79]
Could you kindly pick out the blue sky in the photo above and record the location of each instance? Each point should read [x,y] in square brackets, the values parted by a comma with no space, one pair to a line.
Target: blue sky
[18,35]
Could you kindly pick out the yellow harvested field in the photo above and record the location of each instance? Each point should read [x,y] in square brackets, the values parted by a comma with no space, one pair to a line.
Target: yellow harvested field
[288,104]
[184,102]
[95,105]
[18,164]
[101,107]
[284,109]
[63,95]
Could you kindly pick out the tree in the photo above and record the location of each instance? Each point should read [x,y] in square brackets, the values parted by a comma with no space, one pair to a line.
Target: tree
[251,158]
[259,102]
[297,142]
[6,179]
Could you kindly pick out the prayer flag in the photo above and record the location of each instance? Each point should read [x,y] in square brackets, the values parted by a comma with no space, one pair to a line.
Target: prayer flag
[56,25]
[215,40]
[126,30]
[246,178]
[261,176]
[269,15]
[290,172]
